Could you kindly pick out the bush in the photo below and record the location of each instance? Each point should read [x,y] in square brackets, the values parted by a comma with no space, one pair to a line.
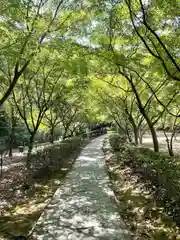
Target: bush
[49,159]
[21,136]
[162,171]
[117,141]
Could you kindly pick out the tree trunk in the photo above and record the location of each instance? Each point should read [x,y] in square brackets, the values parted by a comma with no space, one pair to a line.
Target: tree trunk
[171,153]
[10,151]
[65,133]
[120,128]
[141,138]
[141,134]
[1,164]
[169,145]
[30,147]
[135,130]
[154,135]
[11,141]
[13,125]
[128,134]
[143,112]
[52,135]
[29,178]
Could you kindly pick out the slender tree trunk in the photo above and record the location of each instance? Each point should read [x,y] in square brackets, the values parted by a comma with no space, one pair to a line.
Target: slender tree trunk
[170,141]
[141,134]
[65,133]
[10,150]
[135,130]
[52,135]
[11,141]
[71,132]
[129,136]
[169,146]
[171,153]
[143,112]
[119,126]
[170,150]
[1,164]
[29,184]
[154,135]
[141,138]
[30,147]
[13,125]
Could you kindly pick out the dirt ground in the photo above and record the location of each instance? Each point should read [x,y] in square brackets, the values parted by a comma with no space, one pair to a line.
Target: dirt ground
[143,214]
[147,142]
[19,209]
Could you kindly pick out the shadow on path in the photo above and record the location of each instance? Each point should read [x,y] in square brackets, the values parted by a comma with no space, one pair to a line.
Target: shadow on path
[83,206]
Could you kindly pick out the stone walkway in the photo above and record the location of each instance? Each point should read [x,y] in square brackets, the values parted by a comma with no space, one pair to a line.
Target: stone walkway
[83,206]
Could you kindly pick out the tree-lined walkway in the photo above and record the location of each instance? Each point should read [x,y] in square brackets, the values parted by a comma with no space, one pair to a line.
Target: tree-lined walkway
[83,206]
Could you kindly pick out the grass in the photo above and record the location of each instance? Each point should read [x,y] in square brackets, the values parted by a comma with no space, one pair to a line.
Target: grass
[20,218]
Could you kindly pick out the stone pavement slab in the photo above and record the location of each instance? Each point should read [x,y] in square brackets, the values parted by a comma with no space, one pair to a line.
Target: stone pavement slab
[83,206]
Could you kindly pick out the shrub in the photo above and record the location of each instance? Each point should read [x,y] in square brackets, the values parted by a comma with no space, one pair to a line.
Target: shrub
[162,171]
[117,141]
[49,159]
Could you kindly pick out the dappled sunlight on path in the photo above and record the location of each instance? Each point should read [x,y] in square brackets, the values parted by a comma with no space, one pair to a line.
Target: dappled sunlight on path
[83,206]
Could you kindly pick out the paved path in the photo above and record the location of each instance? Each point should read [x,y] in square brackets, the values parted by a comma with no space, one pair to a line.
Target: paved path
[83,206]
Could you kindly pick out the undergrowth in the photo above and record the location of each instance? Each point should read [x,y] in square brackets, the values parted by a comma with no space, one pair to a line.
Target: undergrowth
[20,217]
[146,185]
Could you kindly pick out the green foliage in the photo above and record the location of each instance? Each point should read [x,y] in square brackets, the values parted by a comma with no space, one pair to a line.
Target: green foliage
[66,65]
[117,140]
[21,136]
[4,126]
[135,199]
[49,159]
[163,172]
[4,131]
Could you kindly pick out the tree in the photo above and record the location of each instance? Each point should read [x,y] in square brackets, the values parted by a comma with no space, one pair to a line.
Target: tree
[147,29]
[119,50]
[68,112]
[26,27]
[51,120]
[4,133]
[32,107]
[166,120]
[13,120]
